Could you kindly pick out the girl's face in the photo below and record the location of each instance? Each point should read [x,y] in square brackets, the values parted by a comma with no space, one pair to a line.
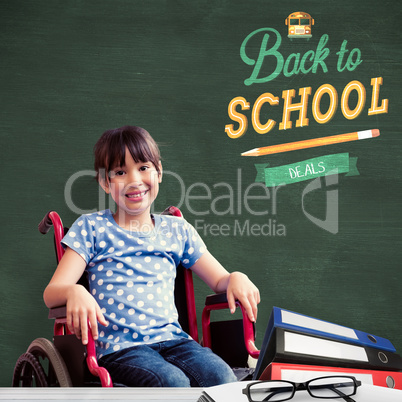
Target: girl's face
[134,188]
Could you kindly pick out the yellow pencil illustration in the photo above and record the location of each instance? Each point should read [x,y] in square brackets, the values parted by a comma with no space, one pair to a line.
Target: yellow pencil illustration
[314,142]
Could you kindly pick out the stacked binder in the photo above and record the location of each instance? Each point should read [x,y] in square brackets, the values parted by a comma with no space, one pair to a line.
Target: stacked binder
[297,348]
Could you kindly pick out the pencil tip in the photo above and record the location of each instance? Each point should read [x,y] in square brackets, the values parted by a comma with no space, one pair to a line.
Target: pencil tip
[249,153]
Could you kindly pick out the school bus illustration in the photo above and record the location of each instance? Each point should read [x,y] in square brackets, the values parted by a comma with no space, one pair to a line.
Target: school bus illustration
[299,25]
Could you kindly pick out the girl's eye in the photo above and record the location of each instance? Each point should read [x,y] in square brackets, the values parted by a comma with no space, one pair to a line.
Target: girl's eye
[116,173]
[143,168]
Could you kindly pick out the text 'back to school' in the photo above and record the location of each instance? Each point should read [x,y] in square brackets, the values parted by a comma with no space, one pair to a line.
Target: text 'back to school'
[270,63]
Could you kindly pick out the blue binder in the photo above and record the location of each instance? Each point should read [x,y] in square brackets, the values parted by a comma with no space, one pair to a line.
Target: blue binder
[281,318]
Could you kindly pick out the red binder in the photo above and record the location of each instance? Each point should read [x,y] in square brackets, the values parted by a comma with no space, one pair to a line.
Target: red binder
[301,373]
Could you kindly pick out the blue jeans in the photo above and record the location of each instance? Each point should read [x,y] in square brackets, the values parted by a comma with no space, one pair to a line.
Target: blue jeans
[175,363]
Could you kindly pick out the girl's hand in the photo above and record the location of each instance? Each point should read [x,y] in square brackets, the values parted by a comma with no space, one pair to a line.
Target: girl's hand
[236,285]
[242,289]
[83,310]
[81,306]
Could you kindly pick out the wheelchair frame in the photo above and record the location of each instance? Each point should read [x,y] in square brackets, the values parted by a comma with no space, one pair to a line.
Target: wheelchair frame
[29,371]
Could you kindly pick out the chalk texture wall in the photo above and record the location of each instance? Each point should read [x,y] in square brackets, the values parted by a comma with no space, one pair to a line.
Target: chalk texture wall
[328,246]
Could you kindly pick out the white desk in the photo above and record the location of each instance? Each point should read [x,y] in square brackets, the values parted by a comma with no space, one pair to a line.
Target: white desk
[224,393]
[100,394]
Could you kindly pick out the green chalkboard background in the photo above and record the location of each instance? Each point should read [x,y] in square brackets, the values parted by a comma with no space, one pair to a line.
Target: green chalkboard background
[69,70]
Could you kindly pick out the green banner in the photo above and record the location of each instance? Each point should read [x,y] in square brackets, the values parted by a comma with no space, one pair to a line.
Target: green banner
[306,170]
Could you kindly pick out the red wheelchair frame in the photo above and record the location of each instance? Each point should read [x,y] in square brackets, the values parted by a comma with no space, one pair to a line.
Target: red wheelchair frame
[28,365]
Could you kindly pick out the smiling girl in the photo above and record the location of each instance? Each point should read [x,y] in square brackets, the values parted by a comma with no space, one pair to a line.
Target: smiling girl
[131,256]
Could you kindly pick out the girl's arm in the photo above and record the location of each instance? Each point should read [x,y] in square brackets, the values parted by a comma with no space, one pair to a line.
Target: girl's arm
[64,290]
[236,284]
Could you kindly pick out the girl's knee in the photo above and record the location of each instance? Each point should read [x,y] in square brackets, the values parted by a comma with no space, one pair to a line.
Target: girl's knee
[173,378]
[217,376]
[216,372]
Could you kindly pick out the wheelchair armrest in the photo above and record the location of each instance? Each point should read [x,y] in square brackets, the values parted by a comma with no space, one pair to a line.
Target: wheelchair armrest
[57,312]
[216,298]
[219,302]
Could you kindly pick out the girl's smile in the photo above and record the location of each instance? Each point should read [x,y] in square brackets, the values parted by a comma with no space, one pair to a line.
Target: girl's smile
[136,196]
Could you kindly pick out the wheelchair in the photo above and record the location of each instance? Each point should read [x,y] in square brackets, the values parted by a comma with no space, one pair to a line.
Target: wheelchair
[66,362]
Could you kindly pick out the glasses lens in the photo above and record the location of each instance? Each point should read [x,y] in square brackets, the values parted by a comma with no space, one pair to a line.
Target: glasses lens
[271,391]
[332,387]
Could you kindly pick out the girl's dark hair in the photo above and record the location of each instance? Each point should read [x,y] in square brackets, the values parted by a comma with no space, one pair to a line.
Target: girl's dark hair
[110,150]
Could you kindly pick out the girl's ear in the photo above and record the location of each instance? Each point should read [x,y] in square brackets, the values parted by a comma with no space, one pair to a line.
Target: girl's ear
[105,185]
[160,172]
[103,181]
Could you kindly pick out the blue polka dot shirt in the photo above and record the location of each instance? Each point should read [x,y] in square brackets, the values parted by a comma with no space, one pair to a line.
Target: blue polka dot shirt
[132,274]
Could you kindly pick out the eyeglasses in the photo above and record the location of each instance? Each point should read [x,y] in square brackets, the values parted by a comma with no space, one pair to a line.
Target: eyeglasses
[323,387]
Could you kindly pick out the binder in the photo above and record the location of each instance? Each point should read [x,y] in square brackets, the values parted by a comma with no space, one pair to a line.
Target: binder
[302,373]
[296,347]
[293,321]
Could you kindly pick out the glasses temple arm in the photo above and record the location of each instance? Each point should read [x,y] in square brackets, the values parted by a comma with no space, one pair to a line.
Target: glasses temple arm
[345,397]
[336,390]
[275,392]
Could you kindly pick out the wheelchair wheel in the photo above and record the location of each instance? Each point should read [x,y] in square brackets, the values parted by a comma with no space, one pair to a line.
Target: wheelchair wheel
[28,372]
[46,355]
